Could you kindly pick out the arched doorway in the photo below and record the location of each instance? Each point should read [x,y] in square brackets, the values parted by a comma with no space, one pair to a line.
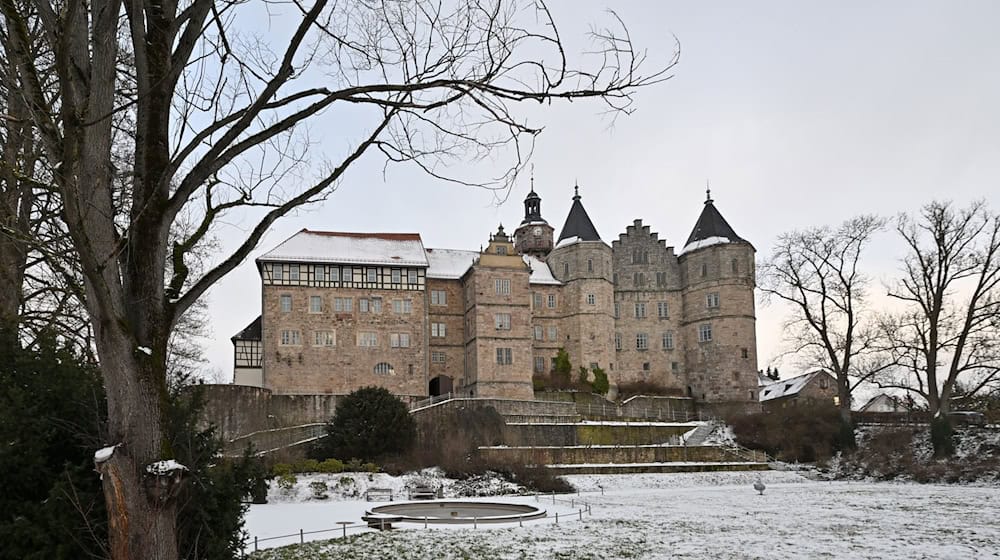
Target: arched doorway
[440,385]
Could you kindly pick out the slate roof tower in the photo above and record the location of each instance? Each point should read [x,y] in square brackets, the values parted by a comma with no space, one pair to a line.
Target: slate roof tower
[718,275]
[581,260]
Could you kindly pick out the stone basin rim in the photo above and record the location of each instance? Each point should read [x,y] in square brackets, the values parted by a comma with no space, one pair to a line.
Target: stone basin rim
[410,512]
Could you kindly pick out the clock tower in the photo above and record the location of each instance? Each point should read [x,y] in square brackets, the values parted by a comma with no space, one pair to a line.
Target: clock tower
[534,235]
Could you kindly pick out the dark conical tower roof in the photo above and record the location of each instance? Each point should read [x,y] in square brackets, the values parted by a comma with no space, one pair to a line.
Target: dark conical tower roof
[711,224]
[578,223]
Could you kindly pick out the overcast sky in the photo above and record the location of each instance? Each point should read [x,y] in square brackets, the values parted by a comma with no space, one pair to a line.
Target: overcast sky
[799,113]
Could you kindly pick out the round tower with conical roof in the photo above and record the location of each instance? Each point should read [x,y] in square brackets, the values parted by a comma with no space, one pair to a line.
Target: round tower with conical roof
[582,262]
[719,327]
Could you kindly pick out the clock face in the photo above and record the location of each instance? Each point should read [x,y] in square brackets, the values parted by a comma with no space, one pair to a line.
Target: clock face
[537,232]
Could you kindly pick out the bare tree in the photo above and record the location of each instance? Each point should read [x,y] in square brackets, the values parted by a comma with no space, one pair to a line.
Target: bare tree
[817,273]
[220,130]
[950,331]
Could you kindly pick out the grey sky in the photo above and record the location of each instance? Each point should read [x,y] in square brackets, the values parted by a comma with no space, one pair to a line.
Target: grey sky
[799,113]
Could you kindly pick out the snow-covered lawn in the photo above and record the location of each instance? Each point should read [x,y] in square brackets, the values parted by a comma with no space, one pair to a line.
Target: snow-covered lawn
[695,515]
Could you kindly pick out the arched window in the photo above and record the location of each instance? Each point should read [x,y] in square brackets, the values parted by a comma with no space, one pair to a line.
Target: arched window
[383,368]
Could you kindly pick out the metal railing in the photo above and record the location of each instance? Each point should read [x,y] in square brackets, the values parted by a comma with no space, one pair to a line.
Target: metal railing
[580,506]
[431,400]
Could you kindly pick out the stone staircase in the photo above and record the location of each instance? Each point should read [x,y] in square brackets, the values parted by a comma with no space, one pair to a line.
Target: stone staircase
[586,436]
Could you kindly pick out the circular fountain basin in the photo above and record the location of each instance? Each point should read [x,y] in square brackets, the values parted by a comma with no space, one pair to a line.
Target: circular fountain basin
[458,512]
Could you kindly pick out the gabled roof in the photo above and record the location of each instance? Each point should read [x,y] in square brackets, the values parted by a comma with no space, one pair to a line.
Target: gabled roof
[710,229]
[251,332]
[578,223]
[452,264]
[449,264]
[399,249]
[791,386]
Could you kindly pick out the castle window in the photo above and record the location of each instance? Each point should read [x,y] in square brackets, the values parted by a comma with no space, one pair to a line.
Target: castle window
[552,301]
[501,250]
[376,305]
[736,375]
[745,353]
[642,341]
[502,286]
[668,340]
[645,366]
[674,367]
[439,297]
[661,310]
[402,306]
[704,270]
[343,305]
[661,278]
[437,357]
[293,273]
[438,330]
[591,300]
[752,395]
[277,272]
[397,276]
[590,265]
[286,303]
[640,310]
[363,305]
[315,304]
[565,269]
[367,339]
[502,321]
[348,275]
[324,338]
[705,333]
[399,340]
[618,309]
[291,338]
[824,383]
[539,334]
[712,300]
[371,275]
[537,300]
[411,276]
[333,273]
[618,341]
[614,279]
[552,333]
[539,365]
[383,368]
[504,356]
[736,266]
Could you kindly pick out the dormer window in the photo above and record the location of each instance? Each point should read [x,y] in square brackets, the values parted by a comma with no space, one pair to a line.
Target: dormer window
[501,250]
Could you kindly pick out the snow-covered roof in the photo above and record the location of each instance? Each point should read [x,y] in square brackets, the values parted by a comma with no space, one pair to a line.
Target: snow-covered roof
[789,387]
[399,249]
[707,242]
[452,264]
[449,264]
[568,241]
[540,271]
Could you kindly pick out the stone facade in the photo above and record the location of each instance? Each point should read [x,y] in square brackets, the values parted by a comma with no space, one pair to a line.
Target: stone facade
[341,311]
[813,388]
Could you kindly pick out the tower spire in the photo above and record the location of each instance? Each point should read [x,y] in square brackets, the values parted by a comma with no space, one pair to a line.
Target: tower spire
[532,177]
[708,193]
[576,190]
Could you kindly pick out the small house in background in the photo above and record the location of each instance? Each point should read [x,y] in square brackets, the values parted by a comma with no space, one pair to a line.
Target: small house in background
[884,403]
[815,387]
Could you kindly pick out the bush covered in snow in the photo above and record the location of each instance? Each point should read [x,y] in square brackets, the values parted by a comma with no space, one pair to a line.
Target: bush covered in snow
[905,453]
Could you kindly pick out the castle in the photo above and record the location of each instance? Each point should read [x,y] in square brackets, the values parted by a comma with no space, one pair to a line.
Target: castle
[345,310]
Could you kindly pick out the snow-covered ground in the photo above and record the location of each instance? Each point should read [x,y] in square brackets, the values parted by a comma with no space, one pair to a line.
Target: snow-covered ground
[673,516]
